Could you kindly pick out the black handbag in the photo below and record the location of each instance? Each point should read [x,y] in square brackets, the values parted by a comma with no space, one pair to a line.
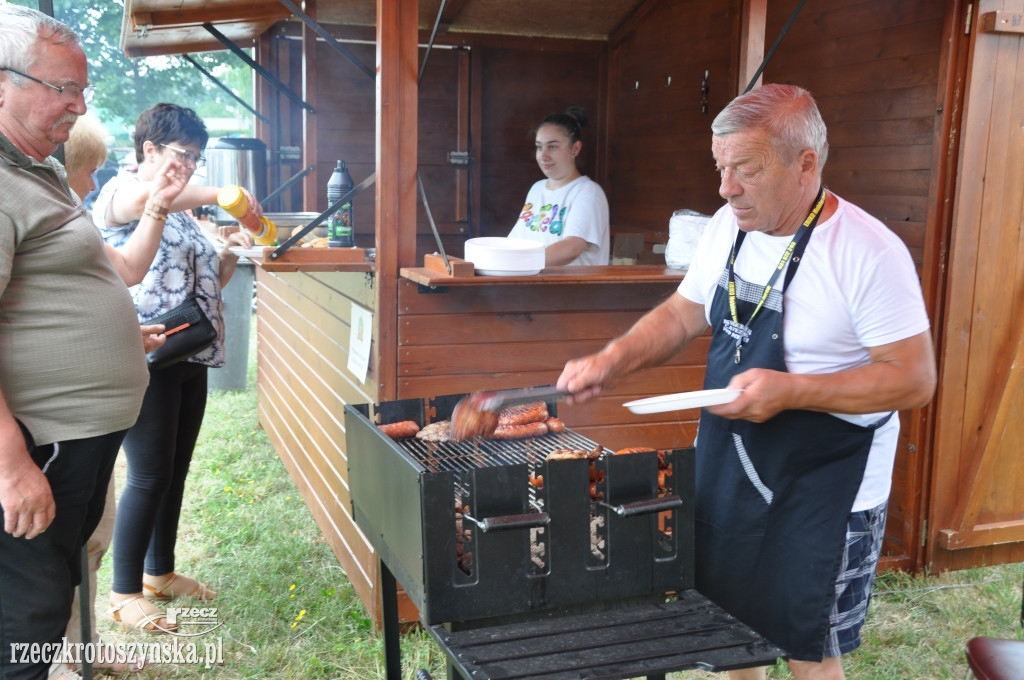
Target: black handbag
[188,330]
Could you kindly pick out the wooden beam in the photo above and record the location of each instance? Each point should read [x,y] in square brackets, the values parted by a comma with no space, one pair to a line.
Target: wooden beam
[232,14]
[451,12]
[752,28]
[310,144]
[1002,22]
[982,536]
[396,129]
[462,139]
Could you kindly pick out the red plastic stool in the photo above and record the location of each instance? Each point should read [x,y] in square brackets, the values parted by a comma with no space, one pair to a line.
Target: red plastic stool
[995,658]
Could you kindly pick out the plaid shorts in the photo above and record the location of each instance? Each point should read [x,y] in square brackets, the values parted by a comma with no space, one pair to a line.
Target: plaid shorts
[864,532]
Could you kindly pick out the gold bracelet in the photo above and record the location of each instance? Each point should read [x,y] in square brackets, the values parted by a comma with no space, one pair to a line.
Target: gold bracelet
[149,213]
[157,209]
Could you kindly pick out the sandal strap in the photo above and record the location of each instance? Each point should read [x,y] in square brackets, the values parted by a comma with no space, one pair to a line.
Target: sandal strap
[146,619]
[164,587]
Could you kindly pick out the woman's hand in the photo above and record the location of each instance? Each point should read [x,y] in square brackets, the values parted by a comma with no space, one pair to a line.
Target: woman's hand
[242,237]
[152,336]
[170,178]
[254,203]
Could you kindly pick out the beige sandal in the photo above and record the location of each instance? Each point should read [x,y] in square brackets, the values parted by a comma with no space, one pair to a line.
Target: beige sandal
[136,612]
[177,586]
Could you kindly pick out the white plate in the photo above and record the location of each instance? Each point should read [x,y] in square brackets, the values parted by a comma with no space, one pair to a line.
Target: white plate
[506,256]
[507,272]
[254,253]
[682,400]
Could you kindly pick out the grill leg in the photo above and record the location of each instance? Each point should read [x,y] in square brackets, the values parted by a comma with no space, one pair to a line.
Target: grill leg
[389,621]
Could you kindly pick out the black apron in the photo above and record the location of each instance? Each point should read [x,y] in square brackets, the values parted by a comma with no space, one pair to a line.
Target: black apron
[773,499]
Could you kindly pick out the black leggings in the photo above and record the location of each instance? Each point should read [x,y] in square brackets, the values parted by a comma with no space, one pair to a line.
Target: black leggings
[159,449]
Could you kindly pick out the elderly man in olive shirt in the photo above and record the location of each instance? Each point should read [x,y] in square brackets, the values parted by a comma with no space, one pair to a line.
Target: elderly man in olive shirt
[72,362]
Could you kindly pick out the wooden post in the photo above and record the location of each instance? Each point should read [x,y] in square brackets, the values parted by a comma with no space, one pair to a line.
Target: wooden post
[397,120]
[309,124]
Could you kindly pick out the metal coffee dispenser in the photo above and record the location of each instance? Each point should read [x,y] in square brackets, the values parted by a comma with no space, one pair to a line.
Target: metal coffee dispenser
[236,160]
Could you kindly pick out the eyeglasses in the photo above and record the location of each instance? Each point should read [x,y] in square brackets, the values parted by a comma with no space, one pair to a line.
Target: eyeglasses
[187,157]
[67,93]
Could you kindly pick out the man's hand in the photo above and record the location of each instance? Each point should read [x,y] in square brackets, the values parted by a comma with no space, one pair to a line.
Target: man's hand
[765,393]
[25,495]
[153,336]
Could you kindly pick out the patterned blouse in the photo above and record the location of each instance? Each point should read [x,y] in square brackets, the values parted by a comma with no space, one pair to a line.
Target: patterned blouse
[186,262]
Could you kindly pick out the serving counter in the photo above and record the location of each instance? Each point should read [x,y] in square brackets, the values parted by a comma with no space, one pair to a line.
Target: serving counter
[453,335]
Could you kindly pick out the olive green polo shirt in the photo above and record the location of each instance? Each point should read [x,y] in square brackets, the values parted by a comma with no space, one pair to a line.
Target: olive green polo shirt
[72,363]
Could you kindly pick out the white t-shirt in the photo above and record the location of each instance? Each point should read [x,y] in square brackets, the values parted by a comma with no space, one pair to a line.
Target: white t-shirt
[577,209]
[856,288]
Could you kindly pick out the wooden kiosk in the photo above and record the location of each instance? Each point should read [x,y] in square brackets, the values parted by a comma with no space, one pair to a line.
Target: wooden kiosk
[922,100]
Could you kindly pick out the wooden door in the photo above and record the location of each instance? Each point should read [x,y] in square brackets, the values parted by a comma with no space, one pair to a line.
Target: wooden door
[976,513]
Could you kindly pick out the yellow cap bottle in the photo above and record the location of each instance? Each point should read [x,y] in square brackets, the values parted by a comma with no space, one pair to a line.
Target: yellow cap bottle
[237,205]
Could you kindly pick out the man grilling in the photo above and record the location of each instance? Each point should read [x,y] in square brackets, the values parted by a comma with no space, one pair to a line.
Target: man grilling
[817,319]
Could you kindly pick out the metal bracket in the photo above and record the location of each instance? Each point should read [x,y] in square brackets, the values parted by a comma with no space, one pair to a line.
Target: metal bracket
[329,39]
[458,158]
[202,69]
[267,75]
[426,290]
[349,195]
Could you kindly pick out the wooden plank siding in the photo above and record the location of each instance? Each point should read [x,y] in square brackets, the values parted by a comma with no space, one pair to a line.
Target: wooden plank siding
[303,330]
[876,82]
[466,338]
[979,497]
[659,156]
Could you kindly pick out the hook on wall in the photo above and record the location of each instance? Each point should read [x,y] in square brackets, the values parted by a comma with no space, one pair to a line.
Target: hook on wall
[704,93]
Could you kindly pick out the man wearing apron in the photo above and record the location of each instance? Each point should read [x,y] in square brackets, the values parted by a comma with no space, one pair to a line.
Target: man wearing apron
[816,317]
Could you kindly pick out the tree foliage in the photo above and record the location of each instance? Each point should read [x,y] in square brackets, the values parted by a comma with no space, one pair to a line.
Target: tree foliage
[125,87]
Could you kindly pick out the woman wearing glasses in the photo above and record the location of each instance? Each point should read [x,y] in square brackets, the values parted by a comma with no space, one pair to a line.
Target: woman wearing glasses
[159,446]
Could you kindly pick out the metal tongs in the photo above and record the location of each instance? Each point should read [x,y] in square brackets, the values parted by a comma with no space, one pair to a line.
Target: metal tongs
[495,401]
[477,414]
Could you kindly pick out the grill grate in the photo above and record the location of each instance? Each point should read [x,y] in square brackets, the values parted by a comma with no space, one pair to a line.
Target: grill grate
[479,452]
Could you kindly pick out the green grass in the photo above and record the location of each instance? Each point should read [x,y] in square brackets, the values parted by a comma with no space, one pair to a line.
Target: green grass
[287,610]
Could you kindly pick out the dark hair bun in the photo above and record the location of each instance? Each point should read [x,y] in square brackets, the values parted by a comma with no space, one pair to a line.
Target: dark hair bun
[579,113]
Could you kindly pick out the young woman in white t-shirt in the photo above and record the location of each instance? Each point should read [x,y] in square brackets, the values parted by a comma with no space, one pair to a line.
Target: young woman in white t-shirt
[567,211]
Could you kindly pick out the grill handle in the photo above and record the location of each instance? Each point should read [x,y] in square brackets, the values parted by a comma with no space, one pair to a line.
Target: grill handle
[528,521]
[644,507]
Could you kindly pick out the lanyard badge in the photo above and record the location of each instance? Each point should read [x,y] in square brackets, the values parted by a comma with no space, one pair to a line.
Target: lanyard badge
[734,328]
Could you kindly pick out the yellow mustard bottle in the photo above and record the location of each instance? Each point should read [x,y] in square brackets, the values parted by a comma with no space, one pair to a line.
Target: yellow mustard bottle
[237,205]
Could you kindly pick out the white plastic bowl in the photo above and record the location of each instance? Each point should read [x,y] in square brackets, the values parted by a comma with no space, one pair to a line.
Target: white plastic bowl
[498,256]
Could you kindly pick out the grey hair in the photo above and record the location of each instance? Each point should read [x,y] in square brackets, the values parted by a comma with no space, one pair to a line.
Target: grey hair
[21,28]
[786,112]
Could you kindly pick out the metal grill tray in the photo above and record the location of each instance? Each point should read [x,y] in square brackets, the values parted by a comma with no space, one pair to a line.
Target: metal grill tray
[689,633]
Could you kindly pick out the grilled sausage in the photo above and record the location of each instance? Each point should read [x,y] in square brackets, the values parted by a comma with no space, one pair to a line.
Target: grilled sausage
[519,431]
[568,454]
[400,430]
[520,415]
[555,425]
[633,449]
[470,419]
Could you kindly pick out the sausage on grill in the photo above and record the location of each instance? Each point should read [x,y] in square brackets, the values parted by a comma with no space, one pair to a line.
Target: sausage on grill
[520,415]
[400,430]
[633,449]
[519,431]
[555,425]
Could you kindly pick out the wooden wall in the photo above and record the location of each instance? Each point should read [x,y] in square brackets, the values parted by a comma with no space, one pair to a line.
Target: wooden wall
[303,330]
[519,86]
[487,336]
[876,81]
[978,488]
[659,138]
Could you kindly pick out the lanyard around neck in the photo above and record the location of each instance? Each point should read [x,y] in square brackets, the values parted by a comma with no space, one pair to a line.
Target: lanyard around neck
[801,234]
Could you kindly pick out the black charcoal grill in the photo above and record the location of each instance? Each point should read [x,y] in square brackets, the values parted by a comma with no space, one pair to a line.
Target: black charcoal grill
[573,577]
